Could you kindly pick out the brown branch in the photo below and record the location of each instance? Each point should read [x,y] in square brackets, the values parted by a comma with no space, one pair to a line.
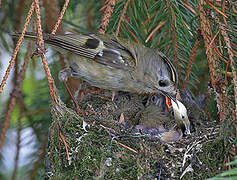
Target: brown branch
[218,3]
[41,51]
[189,7]
[175,56]
[19,13]
[17,24]
[209,46]
[223,9]
[109,7]
[216,9]
[218,53]
[20,101]
[65,143]
[40,157]
[231,59]
[230,107]
[232,64]
[191,60]
[175,24]
[217,85]
[60,17]
[125,146]
[157,27]
[148,15]
[40,39]
[133,35]
[18,142]
[17,48]
[122,16]
[51,15]
[7,119]
[15,94]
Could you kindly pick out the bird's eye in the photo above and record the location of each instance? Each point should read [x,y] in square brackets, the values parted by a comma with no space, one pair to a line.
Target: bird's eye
[162,83]
[182,117]
[116,99]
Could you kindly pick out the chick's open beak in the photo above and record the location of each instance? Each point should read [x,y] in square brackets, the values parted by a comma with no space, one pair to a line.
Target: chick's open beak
[170,97]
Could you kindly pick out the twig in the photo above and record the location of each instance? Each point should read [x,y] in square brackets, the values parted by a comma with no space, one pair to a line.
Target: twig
[212,63]
[20,8]
[64,142]
[18,142]
[122,16]
[212,41]
[41,49]
[232,64]
[231,59]
[123,145]
[223,9]
[191,60]
[109,7]
[148,15]
[60,17]
[230,107]
[133,35]
[188,6]
[175,24]
[14,95]
[218,3]
[158,27]
[51,15]
[17,47]
[216,9]
[218,53]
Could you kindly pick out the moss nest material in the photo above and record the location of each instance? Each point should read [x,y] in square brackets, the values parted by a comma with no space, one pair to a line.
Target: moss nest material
[101,146]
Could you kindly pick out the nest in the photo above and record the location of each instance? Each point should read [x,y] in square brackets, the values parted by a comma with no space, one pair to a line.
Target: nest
[101,147]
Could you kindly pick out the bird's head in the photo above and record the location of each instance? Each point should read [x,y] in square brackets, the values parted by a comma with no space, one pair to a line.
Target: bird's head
[180,115]
[158,73]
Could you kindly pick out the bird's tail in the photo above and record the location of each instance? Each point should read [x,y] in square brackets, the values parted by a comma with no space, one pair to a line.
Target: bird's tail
[28,35]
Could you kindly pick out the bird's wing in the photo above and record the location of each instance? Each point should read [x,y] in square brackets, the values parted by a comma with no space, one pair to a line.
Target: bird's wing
[104,49]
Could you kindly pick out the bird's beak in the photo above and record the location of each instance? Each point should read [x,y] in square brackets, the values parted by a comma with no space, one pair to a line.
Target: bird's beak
[187,129]
[170,97]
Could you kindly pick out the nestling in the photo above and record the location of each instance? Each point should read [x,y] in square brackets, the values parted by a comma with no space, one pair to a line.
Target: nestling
[128,105]
[181,116]
[156,121]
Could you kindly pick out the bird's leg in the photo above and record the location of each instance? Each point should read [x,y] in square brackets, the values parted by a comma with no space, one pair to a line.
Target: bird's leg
[77,108]
[63,76]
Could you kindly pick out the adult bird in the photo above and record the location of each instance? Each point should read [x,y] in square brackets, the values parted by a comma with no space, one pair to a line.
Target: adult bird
[114,63]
